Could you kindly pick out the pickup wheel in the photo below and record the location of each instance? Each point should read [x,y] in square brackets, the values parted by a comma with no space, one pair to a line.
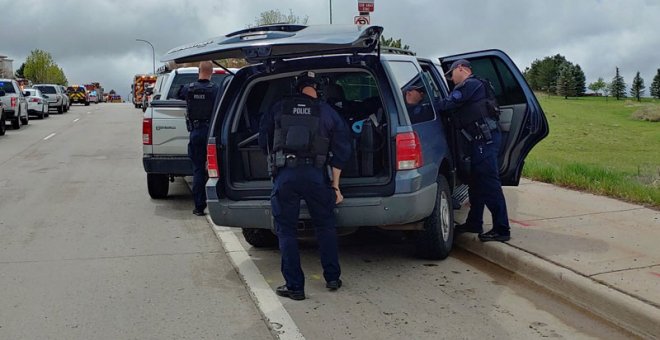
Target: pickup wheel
[16,123]
[260,238]
[435,241]
[25,120]
[158,185]
[60,109]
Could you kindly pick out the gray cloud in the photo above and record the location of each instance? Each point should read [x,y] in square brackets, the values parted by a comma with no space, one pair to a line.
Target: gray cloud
[95,40]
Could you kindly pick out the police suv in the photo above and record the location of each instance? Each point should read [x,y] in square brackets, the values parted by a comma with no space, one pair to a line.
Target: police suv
[403,171]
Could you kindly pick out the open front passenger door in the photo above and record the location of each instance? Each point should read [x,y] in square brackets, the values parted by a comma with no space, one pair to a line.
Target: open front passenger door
[522,121]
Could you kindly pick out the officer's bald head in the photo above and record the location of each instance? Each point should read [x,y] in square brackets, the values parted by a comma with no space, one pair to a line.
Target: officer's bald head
[205,70]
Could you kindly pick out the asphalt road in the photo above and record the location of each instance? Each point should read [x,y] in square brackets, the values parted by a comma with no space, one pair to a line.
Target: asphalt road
[86,254]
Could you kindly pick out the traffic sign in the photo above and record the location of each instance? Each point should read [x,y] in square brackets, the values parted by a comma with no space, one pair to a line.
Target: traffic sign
[361,20]
[365,5]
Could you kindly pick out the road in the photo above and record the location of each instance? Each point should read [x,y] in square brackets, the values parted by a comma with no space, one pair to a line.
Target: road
[86,254]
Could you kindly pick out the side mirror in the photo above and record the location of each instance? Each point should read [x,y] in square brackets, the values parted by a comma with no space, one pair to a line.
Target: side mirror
[2,93]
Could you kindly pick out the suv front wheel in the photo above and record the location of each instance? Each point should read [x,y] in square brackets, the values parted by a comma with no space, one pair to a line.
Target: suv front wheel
[435,241]
[158,185]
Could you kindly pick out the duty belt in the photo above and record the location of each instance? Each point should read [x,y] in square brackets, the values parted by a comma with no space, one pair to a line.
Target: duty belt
[292,161]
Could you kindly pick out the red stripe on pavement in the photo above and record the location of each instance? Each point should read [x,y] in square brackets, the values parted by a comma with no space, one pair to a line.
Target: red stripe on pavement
[521,223]
[656,274]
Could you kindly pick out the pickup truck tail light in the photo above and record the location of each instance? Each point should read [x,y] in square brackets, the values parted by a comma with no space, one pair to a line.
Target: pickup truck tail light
[212,160]
[13,101]
[146,131]
[34,100]
[408,151]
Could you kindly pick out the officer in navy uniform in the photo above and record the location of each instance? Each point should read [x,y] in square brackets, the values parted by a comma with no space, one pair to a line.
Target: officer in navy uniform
[299,133]
[200,99]
[475,113]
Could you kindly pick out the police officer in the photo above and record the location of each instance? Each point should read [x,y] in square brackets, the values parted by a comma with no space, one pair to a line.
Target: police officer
[299,133]
[200,99]
[474,115]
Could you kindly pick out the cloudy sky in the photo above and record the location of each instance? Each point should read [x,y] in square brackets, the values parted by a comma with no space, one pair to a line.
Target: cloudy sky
[94,40]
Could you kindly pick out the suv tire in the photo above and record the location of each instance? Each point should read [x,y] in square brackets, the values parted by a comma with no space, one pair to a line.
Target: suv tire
[158,185]
[25,120]
[60,109]
[260,238]
[435,241]
[16,123]
[3,128]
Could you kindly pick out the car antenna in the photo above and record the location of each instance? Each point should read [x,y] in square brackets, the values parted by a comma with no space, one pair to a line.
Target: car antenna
[224,68]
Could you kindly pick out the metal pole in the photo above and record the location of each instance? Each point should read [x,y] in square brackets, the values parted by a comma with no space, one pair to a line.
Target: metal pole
[153,54]
[330,12]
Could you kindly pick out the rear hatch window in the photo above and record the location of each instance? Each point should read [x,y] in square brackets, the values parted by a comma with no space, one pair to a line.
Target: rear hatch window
[184,79]
[47,89]
[7,87]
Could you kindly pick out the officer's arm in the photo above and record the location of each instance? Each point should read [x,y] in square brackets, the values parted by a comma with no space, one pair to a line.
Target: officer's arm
[458,97]
[182,93]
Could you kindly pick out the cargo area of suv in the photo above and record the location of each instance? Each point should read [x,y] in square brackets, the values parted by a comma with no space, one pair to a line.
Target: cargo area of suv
[353,93]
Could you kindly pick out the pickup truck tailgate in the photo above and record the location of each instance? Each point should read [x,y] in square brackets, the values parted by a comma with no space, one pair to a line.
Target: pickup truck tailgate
[170,136]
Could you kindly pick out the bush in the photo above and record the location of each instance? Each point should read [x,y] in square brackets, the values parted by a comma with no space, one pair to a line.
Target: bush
[648,113]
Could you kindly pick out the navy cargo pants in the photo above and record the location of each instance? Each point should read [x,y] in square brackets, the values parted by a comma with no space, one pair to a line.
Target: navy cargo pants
[309,183]
[485,188]
[197,153]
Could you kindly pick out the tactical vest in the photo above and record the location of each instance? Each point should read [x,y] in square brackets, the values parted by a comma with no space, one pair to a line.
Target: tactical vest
[477,110]
[200,100]
[298,129]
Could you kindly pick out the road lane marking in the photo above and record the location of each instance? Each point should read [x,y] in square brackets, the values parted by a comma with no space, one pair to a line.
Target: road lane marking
[49,136]
[281,323]
[75,120]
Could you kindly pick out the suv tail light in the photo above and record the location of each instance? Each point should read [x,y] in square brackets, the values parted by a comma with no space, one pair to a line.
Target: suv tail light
[408,151]
[146,131]
[34,100]
[212,160]
[13,101]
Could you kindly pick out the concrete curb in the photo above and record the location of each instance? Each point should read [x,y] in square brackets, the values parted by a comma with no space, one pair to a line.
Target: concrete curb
[614,306]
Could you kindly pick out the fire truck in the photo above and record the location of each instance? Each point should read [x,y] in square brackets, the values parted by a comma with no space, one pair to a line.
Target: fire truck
[139,86]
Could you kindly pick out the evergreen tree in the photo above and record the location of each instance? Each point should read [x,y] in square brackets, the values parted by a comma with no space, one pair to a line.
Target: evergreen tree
[580,81]
[393,43]
[618,86]
[566,81]
[637,88]
[542,74]
[655,85]
[597,86]
[20,72]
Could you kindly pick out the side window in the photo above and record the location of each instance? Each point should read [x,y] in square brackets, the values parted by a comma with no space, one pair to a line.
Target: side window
[507,89]
[417,102]
[179,81]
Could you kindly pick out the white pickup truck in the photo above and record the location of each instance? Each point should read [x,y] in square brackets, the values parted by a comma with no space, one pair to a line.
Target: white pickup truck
[164,133]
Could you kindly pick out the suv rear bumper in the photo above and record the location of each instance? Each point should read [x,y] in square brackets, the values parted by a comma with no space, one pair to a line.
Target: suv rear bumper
[353,212]
[169,165]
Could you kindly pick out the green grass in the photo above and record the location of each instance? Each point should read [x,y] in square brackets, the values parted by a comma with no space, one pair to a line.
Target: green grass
[603,147]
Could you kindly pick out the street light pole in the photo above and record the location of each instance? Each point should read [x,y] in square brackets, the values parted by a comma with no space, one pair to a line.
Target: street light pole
[330,12]
[153,54]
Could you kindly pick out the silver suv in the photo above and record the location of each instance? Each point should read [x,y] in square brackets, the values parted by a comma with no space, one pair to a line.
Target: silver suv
[56,97]
[15,104]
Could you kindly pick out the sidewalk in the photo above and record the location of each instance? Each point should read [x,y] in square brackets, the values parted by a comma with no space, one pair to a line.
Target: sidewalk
[597,252]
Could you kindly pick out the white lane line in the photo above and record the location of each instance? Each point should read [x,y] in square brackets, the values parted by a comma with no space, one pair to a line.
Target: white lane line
[75,120]
[49,136]
[281,323]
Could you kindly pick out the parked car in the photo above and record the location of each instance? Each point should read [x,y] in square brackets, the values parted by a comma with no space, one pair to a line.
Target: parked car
[3,128]
[37,103]
[15,105]
[164,134]
[67,101]
[403,172]
[55,96]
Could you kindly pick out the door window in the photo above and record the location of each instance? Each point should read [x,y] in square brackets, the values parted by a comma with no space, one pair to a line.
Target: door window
[415,89]
[507,89]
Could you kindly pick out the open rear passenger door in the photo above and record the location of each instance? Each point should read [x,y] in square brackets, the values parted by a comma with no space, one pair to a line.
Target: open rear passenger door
[522,121]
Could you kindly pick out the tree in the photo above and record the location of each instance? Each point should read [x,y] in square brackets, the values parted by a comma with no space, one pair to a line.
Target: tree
[637,87]
[542,74]
[390,42]
[655,85]
[598,85]
[20,72]
[606,90]
[618,86]
[580,81]
[40,68]
[566,85]
[274,16]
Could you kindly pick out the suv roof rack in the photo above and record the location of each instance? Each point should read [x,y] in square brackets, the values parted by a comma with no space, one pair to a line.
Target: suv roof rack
[396,50]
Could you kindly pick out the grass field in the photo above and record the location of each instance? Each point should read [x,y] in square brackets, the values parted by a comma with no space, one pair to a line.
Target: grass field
[598,146]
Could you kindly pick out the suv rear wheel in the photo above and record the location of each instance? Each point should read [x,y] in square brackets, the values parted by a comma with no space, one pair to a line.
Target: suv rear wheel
[260,238]
[435,241]
[158,185]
